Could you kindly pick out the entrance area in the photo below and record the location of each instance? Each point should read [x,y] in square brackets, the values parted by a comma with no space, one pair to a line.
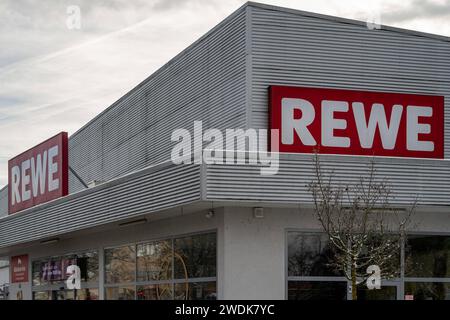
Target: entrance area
[425,273]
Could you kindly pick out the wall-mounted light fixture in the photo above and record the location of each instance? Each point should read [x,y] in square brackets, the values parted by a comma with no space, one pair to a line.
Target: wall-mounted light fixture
[133,222]
[49,241]
[258,213]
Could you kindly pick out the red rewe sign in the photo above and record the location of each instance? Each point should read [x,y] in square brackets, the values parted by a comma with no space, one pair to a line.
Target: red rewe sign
[357,122]
[39,174]
[19,269]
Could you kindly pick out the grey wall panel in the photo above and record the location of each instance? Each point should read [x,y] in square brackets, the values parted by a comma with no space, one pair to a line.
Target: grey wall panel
[409,178]
[205,82]
[290,48]
[4,202]
[75,184]
[144,192]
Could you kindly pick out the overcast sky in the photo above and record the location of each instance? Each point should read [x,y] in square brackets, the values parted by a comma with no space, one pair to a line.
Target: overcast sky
[53,78]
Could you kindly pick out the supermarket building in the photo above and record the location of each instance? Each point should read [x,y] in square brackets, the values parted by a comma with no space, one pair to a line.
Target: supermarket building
[141,227]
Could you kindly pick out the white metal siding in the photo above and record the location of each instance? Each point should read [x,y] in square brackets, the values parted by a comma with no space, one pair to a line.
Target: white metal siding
[428,180]
[289,48]
[205,82]
[140,193]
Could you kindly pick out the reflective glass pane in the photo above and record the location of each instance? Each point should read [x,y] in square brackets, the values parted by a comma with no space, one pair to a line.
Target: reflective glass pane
[196,291]
[317,290]
[309,255]
[61,295]
[195,256]
[154,261]
[155,292]
[37,267]
[119,293]
[88,263]
[427,290]
[427,256]
[120,264]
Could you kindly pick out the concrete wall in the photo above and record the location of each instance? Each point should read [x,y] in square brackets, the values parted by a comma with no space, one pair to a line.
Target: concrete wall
[176,226]
[296,48]
[255,251]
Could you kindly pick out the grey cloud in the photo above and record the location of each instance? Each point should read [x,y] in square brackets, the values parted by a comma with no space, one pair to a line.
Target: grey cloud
[165,5]
[67,78]
[423,9]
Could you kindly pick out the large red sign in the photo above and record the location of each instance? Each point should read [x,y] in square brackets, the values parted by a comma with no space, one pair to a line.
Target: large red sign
[39,174]
[19,269]
[357,122]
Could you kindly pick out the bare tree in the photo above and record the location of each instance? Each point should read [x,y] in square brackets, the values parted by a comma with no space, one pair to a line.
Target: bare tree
[363,227]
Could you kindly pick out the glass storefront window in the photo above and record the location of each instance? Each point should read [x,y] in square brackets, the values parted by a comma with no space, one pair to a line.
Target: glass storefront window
[87,294]
[81,294]
[428,290]
[317,290]
[41,295]
[142,271]
[88,263]
[195,256]
[196,291]
[427,256]
[385,293]
[52,270]
[120,293]
[309,255]
[120,264]
[159,267]
[37,267]
[154,261]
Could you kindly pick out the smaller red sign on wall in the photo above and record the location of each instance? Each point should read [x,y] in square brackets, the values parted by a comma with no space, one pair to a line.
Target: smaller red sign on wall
[39,174]
[19,269]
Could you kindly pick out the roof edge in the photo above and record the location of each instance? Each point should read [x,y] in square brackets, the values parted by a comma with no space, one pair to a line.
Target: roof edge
[346,20]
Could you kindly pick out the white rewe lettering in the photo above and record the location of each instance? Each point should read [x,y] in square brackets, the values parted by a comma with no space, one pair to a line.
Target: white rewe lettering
[377,118]
[25,177]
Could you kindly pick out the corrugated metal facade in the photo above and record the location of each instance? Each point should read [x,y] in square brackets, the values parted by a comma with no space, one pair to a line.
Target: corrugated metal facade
[205,82]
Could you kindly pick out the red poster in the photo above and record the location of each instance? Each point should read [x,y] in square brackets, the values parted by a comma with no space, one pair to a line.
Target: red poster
[39,174]
[357,122]
[19,269]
